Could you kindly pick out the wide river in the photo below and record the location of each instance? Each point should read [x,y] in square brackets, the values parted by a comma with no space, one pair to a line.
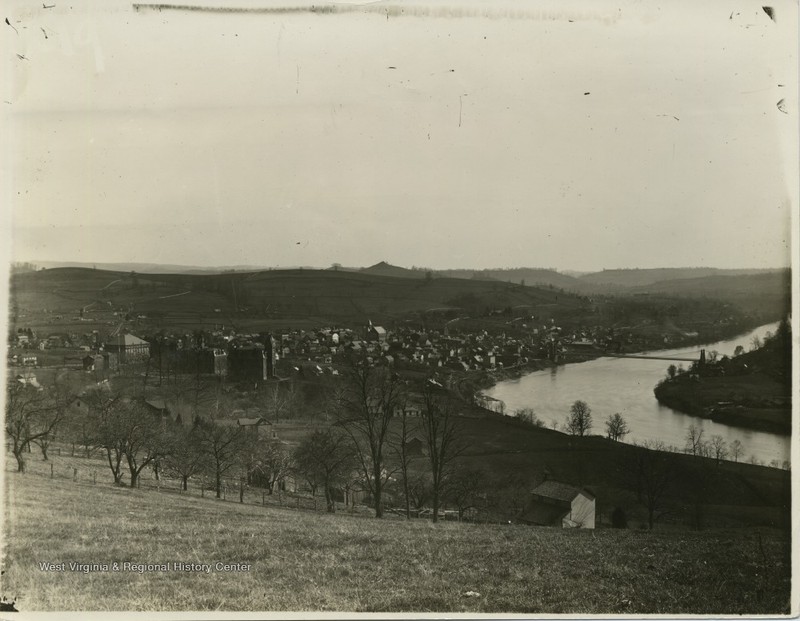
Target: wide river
[625,385]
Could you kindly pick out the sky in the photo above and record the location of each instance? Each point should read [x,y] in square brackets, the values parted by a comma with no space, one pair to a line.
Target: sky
[575,135]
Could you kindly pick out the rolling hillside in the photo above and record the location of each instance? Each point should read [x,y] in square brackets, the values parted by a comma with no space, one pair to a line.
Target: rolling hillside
[753,293]
[294,294]
[301,561]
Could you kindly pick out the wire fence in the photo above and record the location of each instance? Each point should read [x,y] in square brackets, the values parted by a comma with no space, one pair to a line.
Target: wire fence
[82,465]
[92,467]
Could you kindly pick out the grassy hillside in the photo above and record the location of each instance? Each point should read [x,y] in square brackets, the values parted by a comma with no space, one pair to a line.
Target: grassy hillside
[295,294]
[305,561]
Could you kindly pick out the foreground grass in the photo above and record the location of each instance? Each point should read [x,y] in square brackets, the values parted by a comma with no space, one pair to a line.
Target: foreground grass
[305,561]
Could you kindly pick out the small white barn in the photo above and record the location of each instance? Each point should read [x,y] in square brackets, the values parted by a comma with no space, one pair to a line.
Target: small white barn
[558,504]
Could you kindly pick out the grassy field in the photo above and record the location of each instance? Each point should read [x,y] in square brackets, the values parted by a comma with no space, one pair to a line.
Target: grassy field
[306,561]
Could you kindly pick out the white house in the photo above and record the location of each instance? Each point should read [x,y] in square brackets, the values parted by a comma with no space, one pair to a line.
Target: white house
[558,504]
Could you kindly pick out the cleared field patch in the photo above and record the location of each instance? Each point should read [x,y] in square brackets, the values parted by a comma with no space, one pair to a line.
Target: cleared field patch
[304,561]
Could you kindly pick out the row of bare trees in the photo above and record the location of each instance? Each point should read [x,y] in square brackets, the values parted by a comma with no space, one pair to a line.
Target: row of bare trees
[372,434]
[366,446]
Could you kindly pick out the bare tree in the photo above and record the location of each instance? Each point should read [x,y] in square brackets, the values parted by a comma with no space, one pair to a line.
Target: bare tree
[465,489]
[719,448]
[186,458]
[326,458]
[104,411]
[529,417]
[32,414]
[439,425]
[737,450]
[579,421]
[222,444]
[127,430]
[80,429]
[276,401]
[270,464]
[616,427]
[650,473]
[694,440]
[366,404]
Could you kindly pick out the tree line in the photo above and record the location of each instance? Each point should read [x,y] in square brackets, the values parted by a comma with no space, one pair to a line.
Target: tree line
[373,437]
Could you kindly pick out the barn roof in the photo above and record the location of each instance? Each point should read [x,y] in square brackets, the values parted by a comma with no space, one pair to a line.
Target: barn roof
[560,491]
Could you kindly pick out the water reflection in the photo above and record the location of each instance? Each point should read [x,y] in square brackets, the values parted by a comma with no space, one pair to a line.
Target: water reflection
[625,385]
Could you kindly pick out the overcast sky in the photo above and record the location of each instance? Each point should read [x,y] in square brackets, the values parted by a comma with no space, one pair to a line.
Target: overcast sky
[575,135]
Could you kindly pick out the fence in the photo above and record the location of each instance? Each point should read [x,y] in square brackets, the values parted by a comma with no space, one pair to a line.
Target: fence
[95,470]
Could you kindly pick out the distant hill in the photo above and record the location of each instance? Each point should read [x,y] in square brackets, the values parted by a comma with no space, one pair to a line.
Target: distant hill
[754,292]
[149,268]
[385,269]
[640,277]
[530,276]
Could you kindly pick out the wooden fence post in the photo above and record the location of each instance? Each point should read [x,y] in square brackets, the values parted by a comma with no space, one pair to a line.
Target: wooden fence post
[94,477]
[51,470]
[263,498]
[74,474]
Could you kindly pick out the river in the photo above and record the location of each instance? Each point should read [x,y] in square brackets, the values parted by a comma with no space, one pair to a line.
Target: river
[625,385]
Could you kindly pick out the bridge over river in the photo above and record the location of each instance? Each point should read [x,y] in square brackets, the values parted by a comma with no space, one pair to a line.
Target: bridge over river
[643,357]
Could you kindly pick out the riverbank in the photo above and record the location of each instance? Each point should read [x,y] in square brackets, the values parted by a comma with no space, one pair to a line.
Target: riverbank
[625,385]
[704,402]
[751,390]
[487,379]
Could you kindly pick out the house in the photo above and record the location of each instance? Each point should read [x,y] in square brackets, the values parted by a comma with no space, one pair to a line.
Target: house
[559,504]
[27,378]
[160,411]
[259,427]
[220,362]
[375,333]
[416,447]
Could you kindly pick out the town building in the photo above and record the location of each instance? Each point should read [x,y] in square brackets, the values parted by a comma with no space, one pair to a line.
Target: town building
[128,348]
